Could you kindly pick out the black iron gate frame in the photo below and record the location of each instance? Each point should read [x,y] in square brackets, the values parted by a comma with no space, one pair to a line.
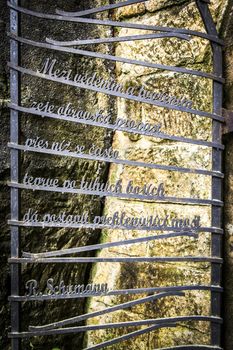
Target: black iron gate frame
[17,258]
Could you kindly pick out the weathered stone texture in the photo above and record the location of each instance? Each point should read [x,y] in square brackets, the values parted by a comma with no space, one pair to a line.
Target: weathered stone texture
[194,54]
[227,33]
[37,240]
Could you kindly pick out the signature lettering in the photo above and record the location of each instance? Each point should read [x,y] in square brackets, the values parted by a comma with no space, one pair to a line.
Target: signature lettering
[53,289]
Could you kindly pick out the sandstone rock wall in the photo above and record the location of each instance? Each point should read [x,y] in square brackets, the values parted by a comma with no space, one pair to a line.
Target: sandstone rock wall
[194,54]
[227,33]
[37,240]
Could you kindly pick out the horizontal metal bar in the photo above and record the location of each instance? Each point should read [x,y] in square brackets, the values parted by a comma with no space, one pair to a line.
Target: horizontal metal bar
[102,226]
[46,297]
[117,39]
[159,135]
[72,330]
[25,11]
[107,310]
[134,259]
[165,199]
[128,336]
[115,94]
[116,161]
[99,9]
[89,248]
[118,59]
[79,329]
[192,347]
[104,8]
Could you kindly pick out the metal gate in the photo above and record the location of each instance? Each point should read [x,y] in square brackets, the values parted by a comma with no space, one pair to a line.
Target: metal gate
[30,219]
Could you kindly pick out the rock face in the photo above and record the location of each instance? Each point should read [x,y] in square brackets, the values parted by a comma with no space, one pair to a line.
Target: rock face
[227,33]
[194,54]
[39,165]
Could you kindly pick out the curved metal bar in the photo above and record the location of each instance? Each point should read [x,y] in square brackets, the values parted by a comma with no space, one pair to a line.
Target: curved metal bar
[166,199]
[161,321]
[84,260]
[118,59]
[116,94]
[25,11]
[107,310]
[117,39]
[101,226]
[159,135]
[67,330]
[115,161]
[89,248]
[128,336]
[99,9]
[117,292]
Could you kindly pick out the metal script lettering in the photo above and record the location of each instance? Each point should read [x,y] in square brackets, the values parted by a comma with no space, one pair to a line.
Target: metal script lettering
[116,220]
[49,67]
[32,288]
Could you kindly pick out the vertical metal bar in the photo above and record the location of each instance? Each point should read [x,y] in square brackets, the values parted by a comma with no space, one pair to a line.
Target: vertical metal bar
[15,167]
[217,194]
[216,243]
